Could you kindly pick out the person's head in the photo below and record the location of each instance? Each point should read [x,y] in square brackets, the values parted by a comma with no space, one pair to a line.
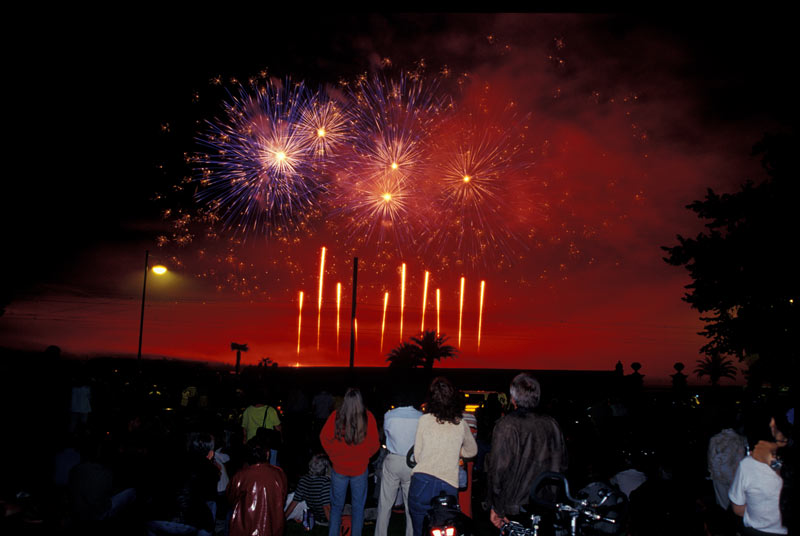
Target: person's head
[761,425]
[256,452]
[255,395]
[403,397]
[263,437]
[351,418]
[525,391]
[319,465]
[443,401]
[199,443]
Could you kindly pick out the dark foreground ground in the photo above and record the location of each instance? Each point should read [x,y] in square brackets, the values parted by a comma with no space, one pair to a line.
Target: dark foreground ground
[610,422]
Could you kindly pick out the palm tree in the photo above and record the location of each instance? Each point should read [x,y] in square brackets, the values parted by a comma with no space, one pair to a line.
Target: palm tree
[239,348]
[715,367]
[432,348]
[405,356]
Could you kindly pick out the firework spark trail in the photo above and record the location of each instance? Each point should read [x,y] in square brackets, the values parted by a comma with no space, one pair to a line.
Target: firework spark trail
[299,323]
[480,315]
[338,312]
[319,299]
[460,310]
[383,322]
[438,303]
[258,173]
[424,302]
[402,297]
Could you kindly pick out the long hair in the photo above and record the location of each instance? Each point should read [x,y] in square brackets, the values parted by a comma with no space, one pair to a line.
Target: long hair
[442,401]
[351,418]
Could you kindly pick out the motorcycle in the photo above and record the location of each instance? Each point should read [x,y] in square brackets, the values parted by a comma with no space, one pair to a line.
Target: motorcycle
[598,509]
[445,518]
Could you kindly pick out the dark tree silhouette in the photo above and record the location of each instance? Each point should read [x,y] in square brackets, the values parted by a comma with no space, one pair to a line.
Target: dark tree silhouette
[422,351]
[405,356]
[432,348]
[716,368]
[745,283]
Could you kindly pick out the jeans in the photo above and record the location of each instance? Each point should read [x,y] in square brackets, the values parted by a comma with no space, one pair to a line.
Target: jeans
[423,489]
[358,493]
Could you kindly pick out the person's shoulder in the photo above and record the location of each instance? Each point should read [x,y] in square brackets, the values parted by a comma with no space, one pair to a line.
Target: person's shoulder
[748,463]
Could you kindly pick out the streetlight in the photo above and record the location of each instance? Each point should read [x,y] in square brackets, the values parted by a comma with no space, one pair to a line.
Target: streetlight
[158,270]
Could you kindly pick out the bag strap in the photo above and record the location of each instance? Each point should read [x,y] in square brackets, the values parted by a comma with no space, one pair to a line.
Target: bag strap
[264,422]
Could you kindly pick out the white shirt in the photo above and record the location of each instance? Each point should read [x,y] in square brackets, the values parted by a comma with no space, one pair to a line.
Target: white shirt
[758,488]
[221,459]
[400,426]
[628,480]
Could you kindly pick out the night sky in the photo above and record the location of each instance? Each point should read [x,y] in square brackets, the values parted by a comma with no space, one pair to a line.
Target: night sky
[626,120]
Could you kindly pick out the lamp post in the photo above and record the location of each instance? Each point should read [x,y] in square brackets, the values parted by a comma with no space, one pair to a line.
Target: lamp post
[158,270]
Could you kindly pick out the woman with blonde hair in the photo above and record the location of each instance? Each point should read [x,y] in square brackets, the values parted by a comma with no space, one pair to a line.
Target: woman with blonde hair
[350,438]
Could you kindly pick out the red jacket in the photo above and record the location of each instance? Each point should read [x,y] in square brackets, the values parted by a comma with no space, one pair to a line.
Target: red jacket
[349,460]
[258,494]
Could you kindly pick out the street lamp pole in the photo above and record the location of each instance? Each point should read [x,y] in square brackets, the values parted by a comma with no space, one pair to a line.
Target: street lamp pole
[141,318]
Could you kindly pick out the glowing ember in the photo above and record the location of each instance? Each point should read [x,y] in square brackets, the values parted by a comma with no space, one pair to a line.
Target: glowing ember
[299,323]
[338,310]
[480,314]
[402,297]
[319,299]
[383,322]
[438,303]
[460,311]
[424,301]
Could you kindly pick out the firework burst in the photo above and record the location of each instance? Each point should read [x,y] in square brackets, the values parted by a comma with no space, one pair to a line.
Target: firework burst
[379,190]
[481,171]
[259,173]
[325,124]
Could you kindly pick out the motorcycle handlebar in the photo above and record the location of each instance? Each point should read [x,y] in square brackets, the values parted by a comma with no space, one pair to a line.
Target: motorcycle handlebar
[549,475]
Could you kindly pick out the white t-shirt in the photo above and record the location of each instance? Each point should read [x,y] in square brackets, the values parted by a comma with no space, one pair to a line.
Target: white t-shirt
[758,487]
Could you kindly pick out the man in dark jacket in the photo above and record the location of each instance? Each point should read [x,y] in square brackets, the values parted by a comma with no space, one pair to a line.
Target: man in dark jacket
[525,443]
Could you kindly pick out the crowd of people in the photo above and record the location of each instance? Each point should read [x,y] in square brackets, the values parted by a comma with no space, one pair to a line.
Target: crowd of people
[343,460]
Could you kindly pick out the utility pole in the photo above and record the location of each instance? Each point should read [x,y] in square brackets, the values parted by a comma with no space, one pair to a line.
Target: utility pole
[141,318]
[353,314]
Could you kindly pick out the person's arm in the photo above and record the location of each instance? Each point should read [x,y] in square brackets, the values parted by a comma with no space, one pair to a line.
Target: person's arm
[327,437]
[498,463]
[372,439]
[327,509]
[290,509]
[274,420]
[469,448]
[244,429]
[497,520]
[736,493]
